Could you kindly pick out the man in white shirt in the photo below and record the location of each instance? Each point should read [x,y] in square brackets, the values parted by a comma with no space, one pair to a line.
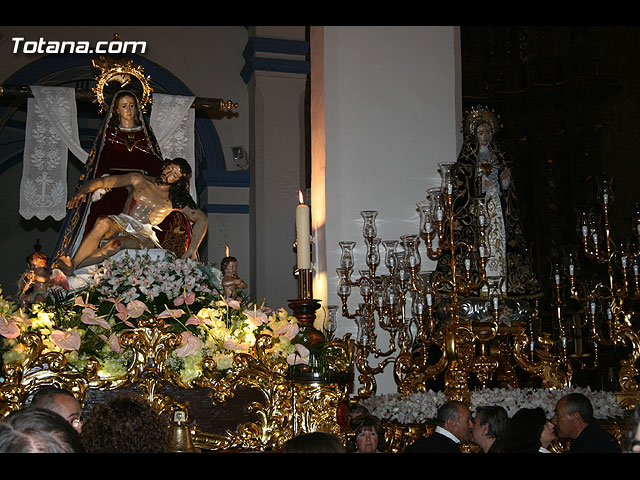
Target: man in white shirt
[454,428]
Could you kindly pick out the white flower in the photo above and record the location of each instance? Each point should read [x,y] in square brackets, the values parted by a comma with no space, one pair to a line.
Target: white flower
[421,407]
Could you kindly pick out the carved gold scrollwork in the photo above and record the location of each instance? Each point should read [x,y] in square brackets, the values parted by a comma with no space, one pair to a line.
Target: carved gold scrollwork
[36,370]
[554,372]
[285,408]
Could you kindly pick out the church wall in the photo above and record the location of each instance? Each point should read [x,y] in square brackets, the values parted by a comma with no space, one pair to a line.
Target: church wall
[391,113]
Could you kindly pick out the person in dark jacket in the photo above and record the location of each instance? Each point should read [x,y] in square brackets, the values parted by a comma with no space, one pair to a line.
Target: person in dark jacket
[454,428]
[574,420]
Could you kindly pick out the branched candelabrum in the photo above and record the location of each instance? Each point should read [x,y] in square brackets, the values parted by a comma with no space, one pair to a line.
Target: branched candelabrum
[466,275]
[401,302]
[606,311]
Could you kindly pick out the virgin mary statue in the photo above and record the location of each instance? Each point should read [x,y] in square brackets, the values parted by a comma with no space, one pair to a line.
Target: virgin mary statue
[482,172]
[124,144]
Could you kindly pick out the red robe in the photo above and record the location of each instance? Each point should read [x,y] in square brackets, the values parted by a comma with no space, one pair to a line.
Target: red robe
[122,152]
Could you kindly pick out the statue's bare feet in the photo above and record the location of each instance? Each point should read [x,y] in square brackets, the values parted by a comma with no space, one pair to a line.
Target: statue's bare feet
[66,265]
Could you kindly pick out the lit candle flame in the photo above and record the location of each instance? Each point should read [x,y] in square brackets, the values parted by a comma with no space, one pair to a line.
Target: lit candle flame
[226,249]
[300,196]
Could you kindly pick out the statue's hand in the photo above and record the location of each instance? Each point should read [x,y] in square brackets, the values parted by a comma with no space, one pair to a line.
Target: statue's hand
[76,200]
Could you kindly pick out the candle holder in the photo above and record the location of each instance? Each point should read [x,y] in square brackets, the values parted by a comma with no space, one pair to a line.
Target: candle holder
[304,309]
[396,316]
[605,304]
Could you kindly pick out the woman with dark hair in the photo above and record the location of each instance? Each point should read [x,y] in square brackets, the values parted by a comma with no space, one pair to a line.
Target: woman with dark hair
[369,434]
[125,424]
[489,426]
[527,430]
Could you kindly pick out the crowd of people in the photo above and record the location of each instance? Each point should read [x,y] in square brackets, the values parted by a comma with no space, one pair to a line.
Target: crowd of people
[53,422]
[488,430]
[527,431]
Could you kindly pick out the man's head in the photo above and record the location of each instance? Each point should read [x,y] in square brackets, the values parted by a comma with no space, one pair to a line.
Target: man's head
[62,402]
[127,423]
[173,171]
[177,174]
[455,417]
[573,413]
[37,430]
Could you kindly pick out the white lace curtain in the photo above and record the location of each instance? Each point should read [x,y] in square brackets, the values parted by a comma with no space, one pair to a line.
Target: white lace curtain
[52,131]
[173,121]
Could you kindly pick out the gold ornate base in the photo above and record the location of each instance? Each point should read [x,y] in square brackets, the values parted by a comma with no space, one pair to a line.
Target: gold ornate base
[276,407]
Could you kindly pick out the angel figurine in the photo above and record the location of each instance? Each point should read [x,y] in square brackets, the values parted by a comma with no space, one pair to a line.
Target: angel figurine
[230,281]
[36,282]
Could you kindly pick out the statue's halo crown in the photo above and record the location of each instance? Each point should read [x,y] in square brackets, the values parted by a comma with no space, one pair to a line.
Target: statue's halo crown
[476,116]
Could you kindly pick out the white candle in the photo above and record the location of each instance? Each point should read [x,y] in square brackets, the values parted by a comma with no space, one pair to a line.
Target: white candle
[302,235]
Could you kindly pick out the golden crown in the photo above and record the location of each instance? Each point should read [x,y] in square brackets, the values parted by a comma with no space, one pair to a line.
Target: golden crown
[477,116]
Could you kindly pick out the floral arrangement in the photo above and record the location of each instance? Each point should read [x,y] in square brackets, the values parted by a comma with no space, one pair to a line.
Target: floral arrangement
[84,324]
[422,407]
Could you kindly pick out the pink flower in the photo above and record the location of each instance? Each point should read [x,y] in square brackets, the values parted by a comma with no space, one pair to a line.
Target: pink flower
[256,318]
[136,308]
[234,346]
[9,328]
[195,320]
[59,279]
[301,357]
[89,318]
[190,343]
[229,302]
[69,340]
[120,307]
[80,302]
[113,342]
[185,298]
[290,331]
[168,313]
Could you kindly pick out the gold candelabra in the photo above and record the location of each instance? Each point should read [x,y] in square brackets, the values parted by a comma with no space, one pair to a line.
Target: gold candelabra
[604,318]
[405,304]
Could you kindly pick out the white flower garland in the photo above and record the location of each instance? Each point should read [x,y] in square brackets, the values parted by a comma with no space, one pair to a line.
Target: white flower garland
[422,407]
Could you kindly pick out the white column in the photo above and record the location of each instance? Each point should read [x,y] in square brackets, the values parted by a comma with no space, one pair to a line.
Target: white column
[276,77]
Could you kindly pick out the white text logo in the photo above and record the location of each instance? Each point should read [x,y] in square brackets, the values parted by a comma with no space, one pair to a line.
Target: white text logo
[20,45]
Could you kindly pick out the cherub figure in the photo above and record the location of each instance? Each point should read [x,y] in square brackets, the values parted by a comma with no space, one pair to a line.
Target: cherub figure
[35,283]
[230,281]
